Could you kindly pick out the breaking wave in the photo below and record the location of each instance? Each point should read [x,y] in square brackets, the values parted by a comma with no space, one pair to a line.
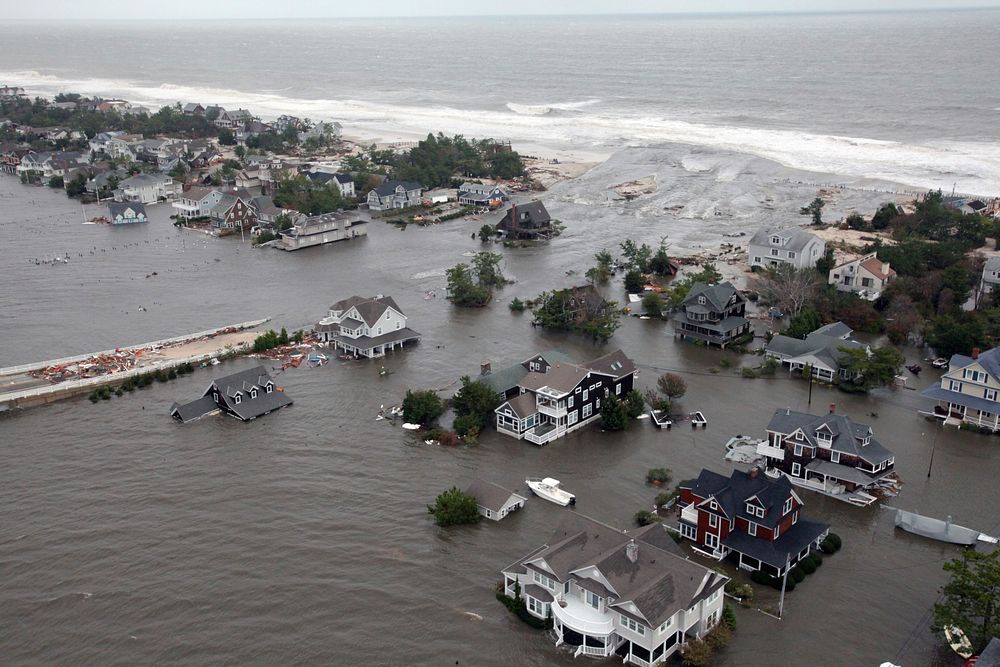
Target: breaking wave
[972,167]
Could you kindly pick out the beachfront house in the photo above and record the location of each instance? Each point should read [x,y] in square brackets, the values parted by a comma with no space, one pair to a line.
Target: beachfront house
[526,221]
[231,120]
[234,211]
[821,351]
[506,381]
[632,595]
[124,213]
[246,395]
[343,182]
[749,516]
[147,188]
[991,276]
[564,397]
[321,229]
[481,194]
[394,195]
[196,202]
[714,314]
[866,276]
[793,246]
[494,501]
[10,93]
[365,327]
[830,454]
[193,109]
[967,392]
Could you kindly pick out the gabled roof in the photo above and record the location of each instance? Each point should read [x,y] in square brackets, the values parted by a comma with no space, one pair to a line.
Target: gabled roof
[822,345]
[505,379]
[561,378]
[120,207]
[659,582]
[616,364]
[733,493]
[389,187]
[845,433]
[372,309]
[522,405]
[242,382]
[188,412]
[344,304]
[489,495]
[875,267]
[198,193]
[793,238]
[716,295]
[531,214]
[989,360]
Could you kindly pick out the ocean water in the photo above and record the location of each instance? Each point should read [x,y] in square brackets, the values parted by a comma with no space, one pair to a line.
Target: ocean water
[895,96]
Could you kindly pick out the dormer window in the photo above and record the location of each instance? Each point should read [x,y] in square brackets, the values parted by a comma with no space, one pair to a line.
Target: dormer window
[824,437]
[787,507]
[775,240]
[238,398]
[701,300]
[253,392]
[269,387]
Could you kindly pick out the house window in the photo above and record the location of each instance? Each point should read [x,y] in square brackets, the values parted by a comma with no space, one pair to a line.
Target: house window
[955,385]
[787,507]
[489,514]
[759,512]
[571,419]
[751,509]
[238,398]
[795,518]
[774,252]
[990,394]
[777,531]
[791,255]
[268,388]
[588,410]
[796,470]
[569,403]
[593,600]
[632,625]
[756,260]
[253,392]
[711,541]
[713,520]
[689,531]
[714,596]
[618,388]
[544,581]
[597,404]
[798,450]
[866,282]
[534,366]
[835,457]
[586,394]
[775,240]
[666,624]
[752,529]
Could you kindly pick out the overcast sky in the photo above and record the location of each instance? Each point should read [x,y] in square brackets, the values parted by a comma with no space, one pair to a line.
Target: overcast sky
[181,9]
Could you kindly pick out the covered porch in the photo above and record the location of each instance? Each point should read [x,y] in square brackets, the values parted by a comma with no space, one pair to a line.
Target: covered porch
[578,624]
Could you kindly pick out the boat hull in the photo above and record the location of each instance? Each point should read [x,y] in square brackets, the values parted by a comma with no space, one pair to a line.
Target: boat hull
[935,529]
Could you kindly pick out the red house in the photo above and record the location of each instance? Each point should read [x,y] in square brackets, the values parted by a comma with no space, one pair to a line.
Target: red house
[749,516]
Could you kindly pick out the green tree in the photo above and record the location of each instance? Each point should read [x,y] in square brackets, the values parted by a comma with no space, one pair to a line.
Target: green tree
[600,273]
[77,186]
[422,407]
[463,290]
[971,597]
[825,263]
[613,414]
[56,182]
[653,304]
[804,323]
[671,385]
[956,333]
[815,209]
[867,371]
[634,403]
[475,400]
[178,172]
[856,221]
[454,507]
[227,138]
[486,267]
[885,214]
[634,282]
[660,263]
[487,233]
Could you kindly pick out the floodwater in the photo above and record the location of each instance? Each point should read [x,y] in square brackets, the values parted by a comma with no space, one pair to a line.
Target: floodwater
[126,538]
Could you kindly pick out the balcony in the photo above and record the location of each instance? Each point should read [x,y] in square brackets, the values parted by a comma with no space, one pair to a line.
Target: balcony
[765,449]
[581,617]
[553,409]
[690,515]
[543,433]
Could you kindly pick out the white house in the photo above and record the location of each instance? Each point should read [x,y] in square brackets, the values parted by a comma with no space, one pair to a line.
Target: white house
[480,194]
[612,593]
[146,188]
[794,246]
[197,202]
[991,276]
[494,501]
[366,327]
[321,229]
[865,276]
[969,392]
[394,194]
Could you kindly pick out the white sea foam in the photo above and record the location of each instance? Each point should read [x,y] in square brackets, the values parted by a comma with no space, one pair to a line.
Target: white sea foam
[968,166]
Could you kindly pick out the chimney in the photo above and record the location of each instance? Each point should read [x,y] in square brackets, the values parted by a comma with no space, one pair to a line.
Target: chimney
[788,411]
[833,408]
[753,472]
[485,368]
[632,551]
[975,353]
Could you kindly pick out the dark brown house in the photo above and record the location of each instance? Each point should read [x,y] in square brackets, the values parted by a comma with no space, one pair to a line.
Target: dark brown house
[526,221]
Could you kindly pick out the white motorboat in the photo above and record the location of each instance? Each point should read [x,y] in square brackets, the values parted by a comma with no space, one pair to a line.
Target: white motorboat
[550,490]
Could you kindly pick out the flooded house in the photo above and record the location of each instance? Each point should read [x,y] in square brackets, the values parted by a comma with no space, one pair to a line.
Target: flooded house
[713,314]
[365,326]
[246,395]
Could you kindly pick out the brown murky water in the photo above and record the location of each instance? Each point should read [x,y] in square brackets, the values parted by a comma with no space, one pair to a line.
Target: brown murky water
[126,538]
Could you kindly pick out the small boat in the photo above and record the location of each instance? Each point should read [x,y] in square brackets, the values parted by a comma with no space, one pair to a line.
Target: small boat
[698,419]
[940,362]
[550,490]
[914,368]
[936,529]
[958,641]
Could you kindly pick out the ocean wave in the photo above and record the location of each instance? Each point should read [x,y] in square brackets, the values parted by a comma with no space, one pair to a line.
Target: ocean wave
[971,167]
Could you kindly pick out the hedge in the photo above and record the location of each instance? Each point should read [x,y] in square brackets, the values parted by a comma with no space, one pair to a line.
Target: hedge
[517,606]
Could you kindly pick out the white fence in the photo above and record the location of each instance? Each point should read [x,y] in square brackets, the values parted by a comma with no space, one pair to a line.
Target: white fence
[26,368]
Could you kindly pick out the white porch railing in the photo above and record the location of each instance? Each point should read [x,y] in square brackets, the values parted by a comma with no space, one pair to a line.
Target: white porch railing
[690,514]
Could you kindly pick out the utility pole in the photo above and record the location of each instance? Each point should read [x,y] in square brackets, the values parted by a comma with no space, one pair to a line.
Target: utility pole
[933,447]
[810,388]
[784,582]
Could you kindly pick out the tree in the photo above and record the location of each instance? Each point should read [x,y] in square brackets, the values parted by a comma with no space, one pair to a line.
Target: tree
[56,182]
[825,263]
[486,266]
[634,282]
[653,304]
[634,403]
[487,233]
[77,186]
[815,209]
[600,273]
[885,214]
[613,414]
[787,287]
[178,172]
[804,323]
[463,290]
[971,598]
[867,371]
[856,221]
[660,262]
[671,385]
[454,507]
[637,257]
[477,401]
[903,320]
[227,138]
[422,407]
[956,333]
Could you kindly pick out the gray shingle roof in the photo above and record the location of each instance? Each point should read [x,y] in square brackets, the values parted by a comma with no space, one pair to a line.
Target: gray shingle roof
[532,214]
[523,405]
[824,344]
[989,360]
[717,296]
[489,495]
[120,207]
[241,382]
[196,409]
[789,543]
[733,492]
[389,187]
[845,433]
[616,364]
[795,238]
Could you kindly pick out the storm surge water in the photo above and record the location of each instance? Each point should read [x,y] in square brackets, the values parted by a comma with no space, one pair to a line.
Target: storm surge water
[795,89]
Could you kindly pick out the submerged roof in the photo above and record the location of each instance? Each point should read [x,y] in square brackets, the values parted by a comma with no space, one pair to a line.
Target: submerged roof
[489,495]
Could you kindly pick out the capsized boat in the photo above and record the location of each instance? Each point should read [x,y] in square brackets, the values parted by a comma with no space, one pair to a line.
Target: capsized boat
[936,529]
[551,490]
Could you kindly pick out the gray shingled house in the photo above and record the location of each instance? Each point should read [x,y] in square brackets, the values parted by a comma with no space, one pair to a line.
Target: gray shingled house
[495,502]
[245,395]
[713,314]
[821,350]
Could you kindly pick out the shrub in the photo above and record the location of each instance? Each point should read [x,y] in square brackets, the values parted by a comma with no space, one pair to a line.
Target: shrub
[448,438]
[463,424]
[422,407]
[719,636]
[826,547]
[661,475]
[663,497]
[645,518]
[807,565]
[454,507]
[761,578]
[725,362]
[816,559]
[736,589]
[797,574]
[696,653]
[517,606]
[614,416]
[516,305]
[830,544]
[835,539]
[749,373]
[634,403]
[729,616]
[789,585]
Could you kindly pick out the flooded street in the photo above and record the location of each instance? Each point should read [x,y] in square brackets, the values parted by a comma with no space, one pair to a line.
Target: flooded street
[303,537]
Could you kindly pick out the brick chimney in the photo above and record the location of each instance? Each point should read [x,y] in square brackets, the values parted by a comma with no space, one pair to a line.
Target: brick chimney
[833,408]
[485,368]
[975,353]
[753,472]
